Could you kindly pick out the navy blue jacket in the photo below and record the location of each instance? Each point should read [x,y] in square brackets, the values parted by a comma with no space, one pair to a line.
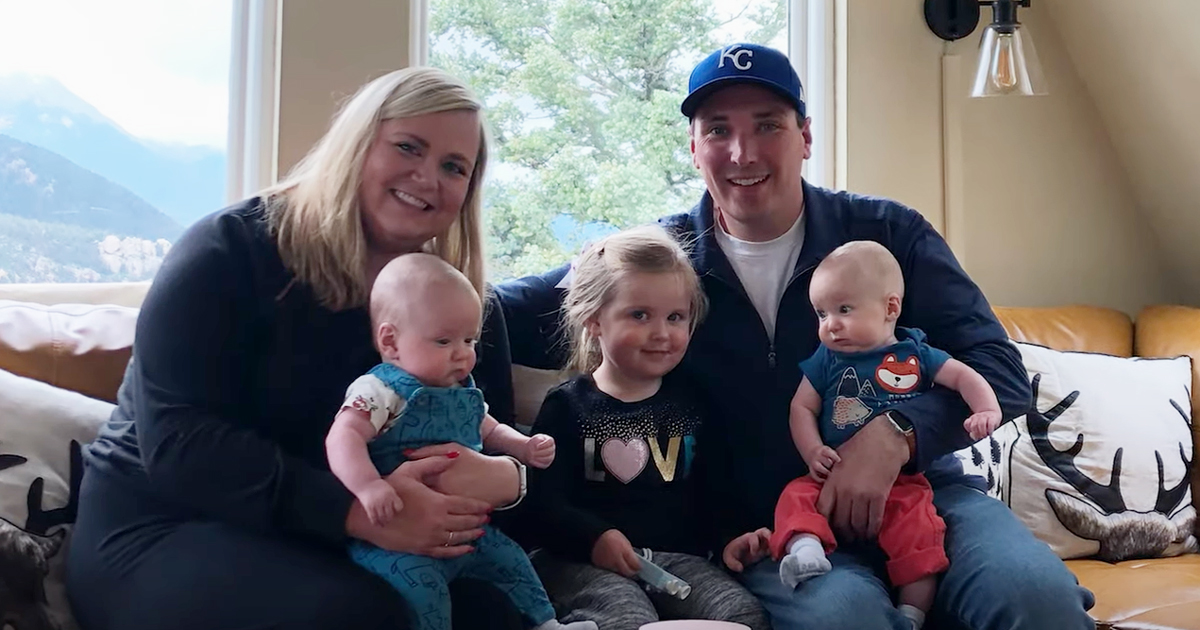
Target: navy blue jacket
[752,380]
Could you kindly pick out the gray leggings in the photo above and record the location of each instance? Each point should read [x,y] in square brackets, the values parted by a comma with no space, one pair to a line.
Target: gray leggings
[585,592]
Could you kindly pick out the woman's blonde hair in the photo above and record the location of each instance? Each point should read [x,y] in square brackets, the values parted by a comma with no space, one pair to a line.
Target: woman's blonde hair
[314,212]
[605,265]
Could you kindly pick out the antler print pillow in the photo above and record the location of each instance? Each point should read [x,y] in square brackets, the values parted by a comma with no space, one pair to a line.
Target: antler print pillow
[42,429]
[1101,463]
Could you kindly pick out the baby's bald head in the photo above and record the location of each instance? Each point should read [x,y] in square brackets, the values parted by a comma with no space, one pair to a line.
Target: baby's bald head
[865,265]
[426,318]
[416,280]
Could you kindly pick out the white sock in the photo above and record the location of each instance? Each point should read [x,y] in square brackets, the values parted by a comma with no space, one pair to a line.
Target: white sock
[555,624]
[914,614]
[805,559]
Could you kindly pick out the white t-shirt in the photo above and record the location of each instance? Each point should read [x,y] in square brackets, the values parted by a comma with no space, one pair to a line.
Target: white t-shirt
[764,268]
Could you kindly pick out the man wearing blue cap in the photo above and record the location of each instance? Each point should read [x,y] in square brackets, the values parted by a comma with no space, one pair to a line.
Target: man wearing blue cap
[759,232]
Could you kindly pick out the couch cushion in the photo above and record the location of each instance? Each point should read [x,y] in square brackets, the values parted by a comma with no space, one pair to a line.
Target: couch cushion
[42,429]
[529,390]
[1082,328]
[83,348]
[1102,463]
[1143,594]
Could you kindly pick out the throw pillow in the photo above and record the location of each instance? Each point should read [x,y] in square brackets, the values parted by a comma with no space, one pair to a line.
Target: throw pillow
[1101,462]
[985,458]
[42,429]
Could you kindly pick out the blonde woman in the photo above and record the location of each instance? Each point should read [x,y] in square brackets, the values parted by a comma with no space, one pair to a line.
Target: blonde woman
[207,501]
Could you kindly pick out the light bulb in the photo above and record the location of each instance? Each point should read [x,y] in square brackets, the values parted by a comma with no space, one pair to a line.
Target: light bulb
[1003,72]
[1007,62]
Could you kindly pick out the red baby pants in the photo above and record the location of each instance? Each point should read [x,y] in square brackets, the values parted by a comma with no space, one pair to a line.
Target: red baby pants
[912,534]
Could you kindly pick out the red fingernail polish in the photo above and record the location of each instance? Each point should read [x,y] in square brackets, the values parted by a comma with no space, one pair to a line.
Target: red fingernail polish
[408,451]
[452,454]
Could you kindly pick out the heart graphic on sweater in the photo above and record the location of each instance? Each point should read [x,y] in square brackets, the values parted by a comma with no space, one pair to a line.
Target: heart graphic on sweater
[625,459]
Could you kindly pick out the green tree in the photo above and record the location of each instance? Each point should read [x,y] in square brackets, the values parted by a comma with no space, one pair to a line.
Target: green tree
[583,102]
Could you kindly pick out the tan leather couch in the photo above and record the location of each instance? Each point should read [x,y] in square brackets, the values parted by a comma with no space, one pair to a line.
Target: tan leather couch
[85,348]
[1136,594]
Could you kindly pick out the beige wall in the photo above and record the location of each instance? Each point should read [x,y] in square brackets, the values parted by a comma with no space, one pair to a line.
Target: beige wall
[1045,213]
[327,50]
[894,118]
[1140,62]
[1031,193]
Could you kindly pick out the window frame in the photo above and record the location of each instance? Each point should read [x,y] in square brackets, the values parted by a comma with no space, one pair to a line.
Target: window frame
[812,27]
[252,147]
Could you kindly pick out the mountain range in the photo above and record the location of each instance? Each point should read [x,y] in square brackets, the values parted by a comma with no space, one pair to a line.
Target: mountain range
[81,199]
[184,182]
[39,184]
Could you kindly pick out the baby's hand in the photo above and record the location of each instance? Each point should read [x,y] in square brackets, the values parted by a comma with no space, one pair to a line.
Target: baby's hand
[821,461]
[981,425]
[539,451]
[380,501]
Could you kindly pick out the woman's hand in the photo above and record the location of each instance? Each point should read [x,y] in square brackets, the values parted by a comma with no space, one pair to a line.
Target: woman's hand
[431,524]
[613,552]
[494,480]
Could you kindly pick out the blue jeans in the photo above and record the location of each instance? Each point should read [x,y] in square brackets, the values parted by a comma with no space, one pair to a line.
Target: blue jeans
[1000,578]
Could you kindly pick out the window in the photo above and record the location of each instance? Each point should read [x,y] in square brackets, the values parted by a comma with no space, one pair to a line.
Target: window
[583,101]
[113,124]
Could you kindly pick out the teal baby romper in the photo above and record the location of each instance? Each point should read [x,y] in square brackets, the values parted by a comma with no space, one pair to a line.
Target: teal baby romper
[437,415]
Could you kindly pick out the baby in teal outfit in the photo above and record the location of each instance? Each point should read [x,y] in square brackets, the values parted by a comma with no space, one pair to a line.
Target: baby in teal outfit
[426,318]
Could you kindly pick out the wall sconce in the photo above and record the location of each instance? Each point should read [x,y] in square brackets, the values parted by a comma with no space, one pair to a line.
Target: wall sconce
[1008,63]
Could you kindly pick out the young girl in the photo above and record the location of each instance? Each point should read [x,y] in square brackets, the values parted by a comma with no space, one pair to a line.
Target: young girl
[627,434]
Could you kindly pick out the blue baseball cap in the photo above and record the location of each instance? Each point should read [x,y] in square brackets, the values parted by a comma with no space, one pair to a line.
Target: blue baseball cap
[743,63]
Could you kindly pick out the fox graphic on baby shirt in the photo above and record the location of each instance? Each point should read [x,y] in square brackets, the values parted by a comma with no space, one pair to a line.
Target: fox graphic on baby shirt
[898,377]
[857,386]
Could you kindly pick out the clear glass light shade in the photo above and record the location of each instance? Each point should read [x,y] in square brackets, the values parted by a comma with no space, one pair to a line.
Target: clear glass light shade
[1008,64]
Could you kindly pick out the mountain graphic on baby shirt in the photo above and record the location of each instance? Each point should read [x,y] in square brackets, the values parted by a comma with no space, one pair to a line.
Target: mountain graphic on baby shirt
[848,407]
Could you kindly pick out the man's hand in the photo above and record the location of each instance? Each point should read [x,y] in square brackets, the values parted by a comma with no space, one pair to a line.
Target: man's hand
[380,501]
[539,451]
[981,425]
[747,549]
[821,461]
[856,490]
[613,552]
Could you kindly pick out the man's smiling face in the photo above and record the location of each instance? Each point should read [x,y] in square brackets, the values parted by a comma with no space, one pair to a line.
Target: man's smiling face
[749,146]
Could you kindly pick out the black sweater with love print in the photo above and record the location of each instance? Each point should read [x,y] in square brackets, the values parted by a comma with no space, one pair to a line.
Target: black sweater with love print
[628,466]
